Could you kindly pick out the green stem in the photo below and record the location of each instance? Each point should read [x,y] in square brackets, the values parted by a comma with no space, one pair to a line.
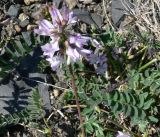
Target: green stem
[147,64]
[76,98]
[142,59]
[109,129]
[139,52]
[48,127]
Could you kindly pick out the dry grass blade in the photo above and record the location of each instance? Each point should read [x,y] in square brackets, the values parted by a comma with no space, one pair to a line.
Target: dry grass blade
[145,15]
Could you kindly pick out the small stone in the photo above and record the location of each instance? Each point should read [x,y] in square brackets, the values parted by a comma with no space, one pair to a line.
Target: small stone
[86,1]
[98,20]
[29,2]
[118,11]
[56,92]
[27,38]
[57,2]
[105,21]
[84,28]
[24,20]
[24,23]
[23,17]
[71,3]
[59,130]
[89,18]
[31,27]
[17,28]
[51,97]
[13,11]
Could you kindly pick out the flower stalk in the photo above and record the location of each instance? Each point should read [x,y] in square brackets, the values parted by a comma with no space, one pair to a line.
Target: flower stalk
[148,64]
[76,98]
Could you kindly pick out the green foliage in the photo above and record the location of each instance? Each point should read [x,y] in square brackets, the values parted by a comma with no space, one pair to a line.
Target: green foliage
[137,101]
[33,111]
[110,38]
[22,117]
[148,84]
[93,125]
[35,106]
[129,103]
[16,49]
[151,81]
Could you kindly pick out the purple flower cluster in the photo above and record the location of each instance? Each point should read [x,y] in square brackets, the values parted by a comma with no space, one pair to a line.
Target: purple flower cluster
[99,61]
[62,42]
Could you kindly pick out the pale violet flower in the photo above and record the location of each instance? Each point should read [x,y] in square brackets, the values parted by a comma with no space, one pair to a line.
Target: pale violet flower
[99,61]
[63,42]
[50,48]
[121,134]
[60,19]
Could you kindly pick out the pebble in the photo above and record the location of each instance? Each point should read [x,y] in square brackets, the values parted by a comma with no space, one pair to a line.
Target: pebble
[24,20]
[23,17]
[83,28]
[59,130]
[13,11]
[29,2]
[24,23]
[26,36]
[31,27]
[17,28]
[71,3]
[56,92]
[86,1]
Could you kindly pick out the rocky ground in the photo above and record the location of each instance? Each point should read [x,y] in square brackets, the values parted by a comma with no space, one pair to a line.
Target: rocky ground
[18,18]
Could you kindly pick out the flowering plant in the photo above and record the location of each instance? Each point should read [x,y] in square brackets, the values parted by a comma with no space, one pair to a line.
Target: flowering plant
[63,42]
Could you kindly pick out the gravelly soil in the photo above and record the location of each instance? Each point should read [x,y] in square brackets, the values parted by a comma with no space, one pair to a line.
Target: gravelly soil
[17,17]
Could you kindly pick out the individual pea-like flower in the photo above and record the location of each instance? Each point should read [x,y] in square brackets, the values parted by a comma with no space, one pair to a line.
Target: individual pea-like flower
[121,134]
[60,19]
[99,61]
